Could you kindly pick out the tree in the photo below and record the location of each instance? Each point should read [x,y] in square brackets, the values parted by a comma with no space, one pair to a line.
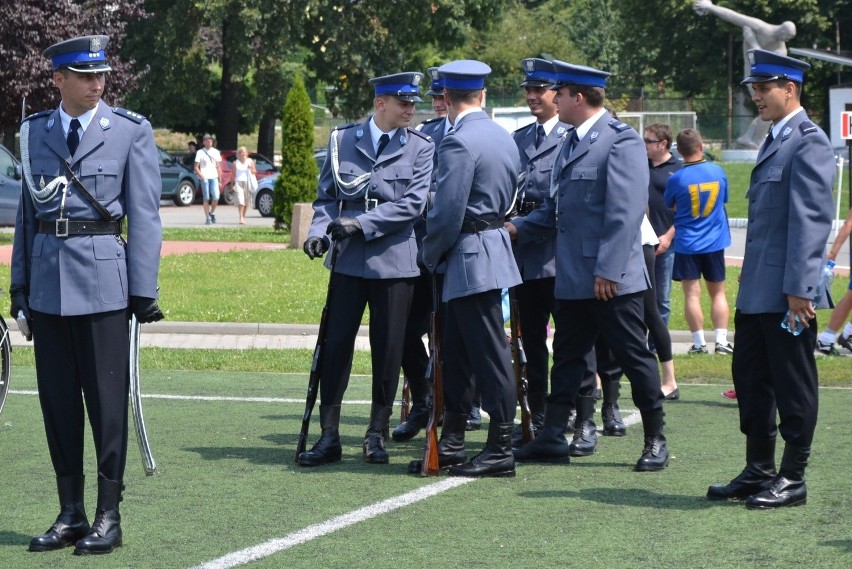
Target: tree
[28,28]
[298,180]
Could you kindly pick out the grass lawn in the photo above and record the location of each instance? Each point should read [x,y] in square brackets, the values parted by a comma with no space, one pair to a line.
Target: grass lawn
[227,482]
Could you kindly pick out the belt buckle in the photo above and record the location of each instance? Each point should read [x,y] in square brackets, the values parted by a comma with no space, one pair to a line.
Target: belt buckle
[371,204]
[62,227]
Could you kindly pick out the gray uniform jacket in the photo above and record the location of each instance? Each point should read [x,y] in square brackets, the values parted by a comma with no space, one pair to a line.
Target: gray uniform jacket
[537,259]
[477,174]
[386,206]
[87,274]
[600,199]
[789,218]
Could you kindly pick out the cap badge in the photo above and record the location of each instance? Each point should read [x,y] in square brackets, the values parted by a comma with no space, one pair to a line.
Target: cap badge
[415,80]
[529,64]
[95,44]
[751,58]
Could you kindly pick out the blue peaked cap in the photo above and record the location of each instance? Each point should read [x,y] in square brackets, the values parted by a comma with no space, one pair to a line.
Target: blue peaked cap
[464,75]
[436,85]
[768,66]
[537,72]
[404,86]
[570,74]
[85,54]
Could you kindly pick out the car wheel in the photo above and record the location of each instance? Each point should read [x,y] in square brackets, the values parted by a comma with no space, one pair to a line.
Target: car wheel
[185,194]
[229,196]
[264,200]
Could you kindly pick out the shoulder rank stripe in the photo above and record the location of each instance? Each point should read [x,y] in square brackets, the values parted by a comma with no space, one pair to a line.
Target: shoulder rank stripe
[618,125]
[432,120]
[38,114]
[420,134]
[135,117]
[345,126]
[807,126]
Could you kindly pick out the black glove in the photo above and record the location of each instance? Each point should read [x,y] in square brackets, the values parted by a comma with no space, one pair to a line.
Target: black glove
[145,309]
[21,304]
[344,228]
[315,247]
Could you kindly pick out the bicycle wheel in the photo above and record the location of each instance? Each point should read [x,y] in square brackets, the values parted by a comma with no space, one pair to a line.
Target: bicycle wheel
[5,361]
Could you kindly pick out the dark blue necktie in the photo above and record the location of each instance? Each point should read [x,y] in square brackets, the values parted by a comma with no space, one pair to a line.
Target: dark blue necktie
[573,143]
[539,136]
[73,139]
[383,141]
[766,143]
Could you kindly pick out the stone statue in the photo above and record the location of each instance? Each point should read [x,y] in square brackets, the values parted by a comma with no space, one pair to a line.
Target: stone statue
[757,34]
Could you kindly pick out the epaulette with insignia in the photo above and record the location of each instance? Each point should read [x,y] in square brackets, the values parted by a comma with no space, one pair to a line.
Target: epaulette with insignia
[618,125]
[38,114]
[420,134]
[345,126]
[807,126]
[525,127]
[135,117]
[430,121]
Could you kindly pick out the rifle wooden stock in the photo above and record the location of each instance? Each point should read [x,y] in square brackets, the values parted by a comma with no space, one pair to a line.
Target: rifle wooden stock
[316,363]
[519,362]
[405,403]
[431,465]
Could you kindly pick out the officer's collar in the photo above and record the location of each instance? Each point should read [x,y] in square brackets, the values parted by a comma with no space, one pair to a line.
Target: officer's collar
[84,119]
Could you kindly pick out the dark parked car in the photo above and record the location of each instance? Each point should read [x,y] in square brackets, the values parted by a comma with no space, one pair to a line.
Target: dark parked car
[262,198]
[264,166]
[10,186]
[179,182]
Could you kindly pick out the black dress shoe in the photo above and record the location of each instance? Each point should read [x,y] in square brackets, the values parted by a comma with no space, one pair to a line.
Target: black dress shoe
[782,493]
[70,525]
[416,422]
[673,396]
[104,536]
[655,455]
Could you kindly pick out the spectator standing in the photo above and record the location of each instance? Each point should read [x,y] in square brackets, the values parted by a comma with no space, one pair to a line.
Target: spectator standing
[244,169]
[827,338]
[77,281]
[789,219]
[698,193]
[189,158]
[661,164]
[208,166]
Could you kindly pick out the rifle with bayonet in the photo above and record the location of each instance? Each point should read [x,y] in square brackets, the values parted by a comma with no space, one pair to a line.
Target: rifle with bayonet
[316,362]
[430,466]
[519,362]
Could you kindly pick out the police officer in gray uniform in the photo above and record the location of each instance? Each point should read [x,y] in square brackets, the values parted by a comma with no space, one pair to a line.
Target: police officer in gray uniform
[598,196]
[478,169]
[537,144]
[414,358]
[87,166]
[372,189]
[789,219]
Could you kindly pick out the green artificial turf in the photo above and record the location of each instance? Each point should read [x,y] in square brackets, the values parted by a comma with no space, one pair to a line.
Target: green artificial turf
[227,481]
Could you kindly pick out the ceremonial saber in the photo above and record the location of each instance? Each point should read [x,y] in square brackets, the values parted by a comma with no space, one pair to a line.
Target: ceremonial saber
[148,462]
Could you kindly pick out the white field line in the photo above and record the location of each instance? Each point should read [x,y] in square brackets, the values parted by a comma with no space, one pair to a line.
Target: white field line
[314,531]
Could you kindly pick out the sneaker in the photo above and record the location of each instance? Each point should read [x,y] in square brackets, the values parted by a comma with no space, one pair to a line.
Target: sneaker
[208,222]
[212,217]
[827,349]
[698,349]
[845,341]
[730,394]
[724,349]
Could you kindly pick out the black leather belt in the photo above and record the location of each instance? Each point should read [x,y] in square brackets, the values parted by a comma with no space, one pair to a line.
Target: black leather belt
[528,206]
[66,227]
[480,225]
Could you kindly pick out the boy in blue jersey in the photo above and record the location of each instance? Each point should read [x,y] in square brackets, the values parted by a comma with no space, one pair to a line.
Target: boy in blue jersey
[698,193]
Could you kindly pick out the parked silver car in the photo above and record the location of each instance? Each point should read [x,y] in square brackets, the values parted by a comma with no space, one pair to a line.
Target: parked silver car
[263,197]
[10,186]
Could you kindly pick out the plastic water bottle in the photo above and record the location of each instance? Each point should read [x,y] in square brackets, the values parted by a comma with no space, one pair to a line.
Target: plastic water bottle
[825,278]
